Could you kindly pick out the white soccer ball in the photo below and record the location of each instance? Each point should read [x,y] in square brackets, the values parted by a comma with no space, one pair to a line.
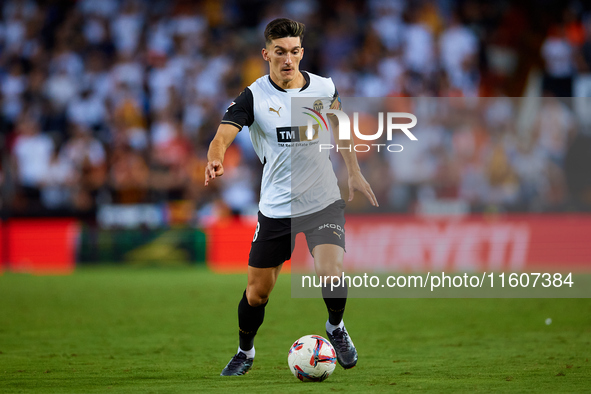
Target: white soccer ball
[312,358]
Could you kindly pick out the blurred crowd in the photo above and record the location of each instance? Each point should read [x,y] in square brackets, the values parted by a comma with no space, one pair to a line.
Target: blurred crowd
[494,154]
[116,101]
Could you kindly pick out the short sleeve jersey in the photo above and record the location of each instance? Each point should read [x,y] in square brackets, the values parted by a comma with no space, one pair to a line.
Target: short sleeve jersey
[298,178]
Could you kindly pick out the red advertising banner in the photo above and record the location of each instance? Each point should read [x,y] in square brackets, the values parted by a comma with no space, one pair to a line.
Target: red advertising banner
[228,245]
[41,246]
[397,243]
[2,257]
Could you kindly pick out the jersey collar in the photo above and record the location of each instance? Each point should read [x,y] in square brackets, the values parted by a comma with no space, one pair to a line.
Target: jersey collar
[306,77]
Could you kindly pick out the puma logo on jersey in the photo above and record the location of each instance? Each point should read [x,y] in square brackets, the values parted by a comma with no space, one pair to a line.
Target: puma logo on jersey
[337,234]
[275,110]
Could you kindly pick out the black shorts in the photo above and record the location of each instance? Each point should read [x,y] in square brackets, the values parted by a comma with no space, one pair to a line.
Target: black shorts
[274,239]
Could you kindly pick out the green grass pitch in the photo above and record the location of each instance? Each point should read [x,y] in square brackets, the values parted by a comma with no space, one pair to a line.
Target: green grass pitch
[164,330]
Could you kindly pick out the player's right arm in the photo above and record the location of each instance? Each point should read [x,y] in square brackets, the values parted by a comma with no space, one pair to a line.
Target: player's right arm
[239,114]
[217,149]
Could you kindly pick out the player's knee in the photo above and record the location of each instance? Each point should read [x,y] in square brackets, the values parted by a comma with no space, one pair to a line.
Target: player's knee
[332,273]
[256,298]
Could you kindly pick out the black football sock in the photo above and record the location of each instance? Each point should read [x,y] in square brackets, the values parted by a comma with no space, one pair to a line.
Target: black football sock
[335,301]
[250,319]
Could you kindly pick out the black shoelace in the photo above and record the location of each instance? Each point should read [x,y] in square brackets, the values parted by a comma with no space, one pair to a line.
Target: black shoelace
[238,359]
[340,338]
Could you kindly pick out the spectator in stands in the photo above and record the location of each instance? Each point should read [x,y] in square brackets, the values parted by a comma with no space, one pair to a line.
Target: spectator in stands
[129,175]
[88,157]
[126,27]
[12,87]
[31,155]
[529,161]
[418,52]
[502,179]
[554,128]
[586,46]
[458,50]
[60,89]
[87,110]
[171,153]
[559,60]
[58,182]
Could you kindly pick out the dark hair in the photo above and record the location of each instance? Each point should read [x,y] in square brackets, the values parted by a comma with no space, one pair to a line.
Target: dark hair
[284,27]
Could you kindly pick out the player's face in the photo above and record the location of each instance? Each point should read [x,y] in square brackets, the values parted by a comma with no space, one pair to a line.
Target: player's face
[284,56]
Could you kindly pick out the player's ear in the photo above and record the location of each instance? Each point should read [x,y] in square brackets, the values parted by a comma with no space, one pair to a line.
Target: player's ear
[265,54]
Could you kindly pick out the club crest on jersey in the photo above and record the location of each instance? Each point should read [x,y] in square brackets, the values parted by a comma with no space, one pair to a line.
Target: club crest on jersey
[318,106]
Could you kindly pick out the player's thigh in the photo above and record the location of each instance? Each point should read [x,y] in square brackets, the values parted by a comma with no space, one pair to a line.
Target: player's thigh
[326,239]
[261,282]
[328,259]
[264,263]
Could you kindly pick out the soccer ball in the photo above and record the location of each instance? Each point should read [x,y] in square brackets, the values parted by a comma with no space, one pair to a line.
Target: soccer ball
[311,358]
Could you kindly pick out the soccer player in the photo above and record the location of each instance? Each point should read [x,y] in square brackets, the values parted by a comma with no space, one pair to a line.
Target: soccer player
[299,191]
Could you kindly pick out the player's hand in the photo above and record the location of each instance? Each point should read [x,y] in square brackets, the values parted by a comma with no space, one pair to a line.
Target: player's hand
[214,168]
[357,182]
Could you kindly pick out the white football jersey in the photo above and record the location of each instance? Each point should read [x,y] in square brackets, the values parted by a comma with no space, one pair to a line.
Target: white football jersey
[298,178]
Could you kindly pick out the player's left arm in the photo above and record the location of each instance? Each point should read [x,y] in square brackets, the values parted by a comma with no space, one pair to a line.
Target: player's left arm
[356,179]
